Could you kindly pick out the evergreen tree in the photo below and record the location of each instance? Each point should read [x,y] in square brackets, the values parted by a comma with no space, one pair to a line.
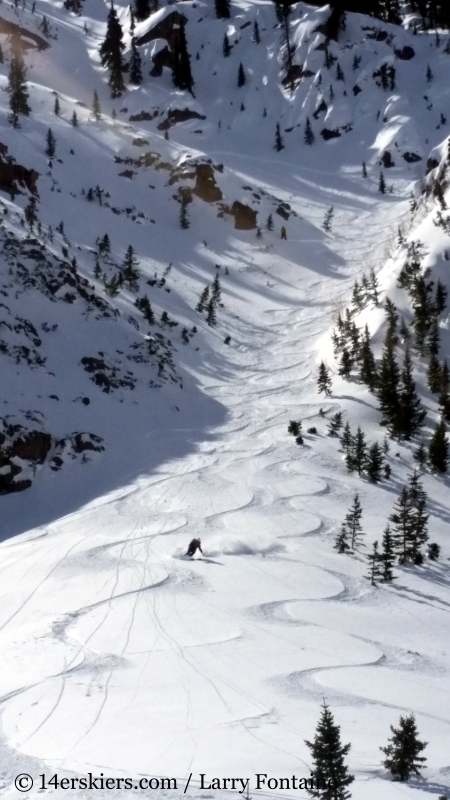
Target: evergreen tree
[382,184]
[419,534]
[30,212]
[226,46]
[203,301]
[130,272]
[328,753]
[74,120]
[434,374]
[374,463]
[441,297]
[364,170]
[328,219]
[438,449]
[111,53]
[387,556]
[403,522]
[341,542]
[51,144]
[353,524]
[241,76]
[96,110]
[112,286]
[420,456]
[17,87]
[309,135]
[57,107]
[216,290]
[222,9]
[181,68]
[444,394]
[211,318]
[346,439]
[135,65]
[403,750]
[358,452]
[375,567]
[256,34]
[279,144]
[368,370]
[142,9]
[410,414]
[346,364]
[387,383]
[269,224]
[335,424]
[324,381]
[184,217]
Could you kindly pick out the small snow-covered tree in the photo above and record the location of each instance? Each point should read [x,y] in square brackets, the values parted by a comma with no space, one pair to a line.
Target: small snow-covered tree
[403,750]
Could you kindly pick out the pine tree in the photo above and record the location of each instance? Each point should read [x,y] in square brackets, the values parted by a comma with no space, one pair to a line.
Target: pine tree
[346,364]
[364,170]
[403,522]
[328,219]
[279,144]
[374,463]
[429,75]
[335,424]
[368,369]
[111,53]
[222,9]
[438,449]
[382,184]
[341,542]
[112,286]
[30,212]
[130,272]
[441,297]
[419,534]
[96,110]
[346,439]
[375,568]
[269,224]
[241,76]
[211,318]
[328,753]
[403,750]
[387,556]
[444,394]
[256,34]
[358,452]
[203,301]
[226,47]
[57,107]
[420,456]
[434,374]
[74,120]
[410,414]
[51,144]
[17,87]
[181,68]
[216,290]
[387,383]
[324,381]
[135,65]
[309,135]
[184,217]
[142,9]
[353,524]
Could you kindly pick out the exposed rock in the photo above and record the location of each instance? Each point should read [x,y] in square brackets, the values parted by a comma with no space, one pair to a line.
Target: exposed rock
[432,163]
[138,142]
[322,108]
[284,210]
[295,74]
[14,175]
[205,184]
[331,27]
[329,134]
[105,376]
[405,54]
[33,446]
[127,173]
[412,158]
[169,30]
[357,90]
[178,115]
[244,217]
[144,116]
[386,160]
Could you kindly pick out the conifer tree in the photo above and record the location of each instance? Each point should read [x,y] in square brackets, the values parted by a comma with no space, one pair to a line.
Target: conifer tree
[410,414]
[181,68]
[420,456]
[441,297]
[74,120]
[387,556]
[387,383]
[444,394]
[222,9]
[135,64]
[279,144]
[328,219]
[241,76]
[269,224]
[111,53]
[203,301]
[226,47]
[403,522]
[17,87]
[403,750]
[216,290]
[375,568]
[438,449]
[184,217]
[341,542]
[382,184]
[309,135]
[353,524]
[368,369]
[434,374]
[419,533]
[143,304]
[30,212]
[335,424]
[51,144]
[211,318]
[374,463]
[256,34]
[358,452]
[112,286]
[130,272]
[142,9]
[346,439]
[324,381]
[57,107]
[328,755]
[345,366]
[96,110]
[364,170]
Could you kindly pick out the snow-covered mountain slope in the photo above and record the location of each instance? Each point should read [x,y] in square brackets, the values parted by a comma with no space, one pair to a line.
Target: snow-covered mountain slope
[118,654]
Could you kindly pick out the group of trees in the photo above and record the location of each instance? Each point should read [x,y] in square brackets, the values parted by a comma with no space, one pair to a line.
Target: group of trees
[209,299]
[330,776]
[17,86]
[405,535]
[128,274]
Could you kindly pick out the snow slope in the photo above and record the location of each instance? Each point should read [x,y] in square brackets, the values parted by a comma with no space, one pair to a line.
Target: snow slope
[118,655]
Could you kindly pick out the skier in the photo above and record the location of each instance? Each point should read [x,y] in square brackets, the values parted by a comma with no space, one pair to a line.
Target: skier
[195,545]
[283,233]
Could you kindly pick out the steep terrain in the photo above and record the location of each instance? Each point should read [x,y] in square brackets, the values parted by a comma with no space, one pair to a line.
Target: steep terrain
[124,437]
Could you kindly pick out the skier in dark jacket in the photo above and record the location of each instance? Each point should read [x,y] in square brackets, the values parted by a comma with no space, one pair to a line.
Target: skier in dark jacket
[195,545]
